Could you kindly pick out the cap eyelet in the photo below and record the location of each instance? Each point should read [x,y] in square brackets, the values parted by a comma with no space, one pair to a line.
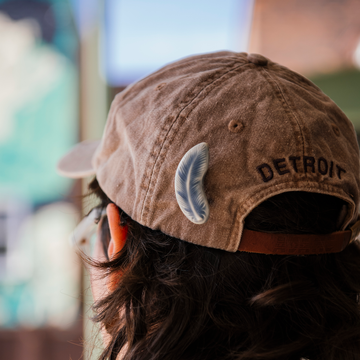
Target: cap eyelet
[336,130]
[160,86]
[235,126]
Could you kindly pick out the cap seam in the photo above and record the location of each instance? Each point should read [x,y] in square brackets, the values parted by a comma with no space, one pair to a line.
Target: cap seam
[280,92]
[123,94]
[179,109]
[310,86]
[144,211]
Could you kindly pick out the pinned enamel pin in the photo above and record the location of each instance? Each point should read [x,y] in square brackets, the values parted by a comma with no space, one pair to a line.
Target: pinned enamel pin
[189,189]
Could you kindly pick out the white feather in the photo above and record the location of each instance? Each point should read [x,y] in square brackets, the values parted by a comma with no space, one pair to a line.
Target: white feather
[189,189]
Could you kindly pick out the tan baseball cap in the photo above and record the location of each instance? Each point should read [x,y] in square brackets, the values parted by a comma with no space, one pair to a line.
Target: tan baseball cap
[193,148]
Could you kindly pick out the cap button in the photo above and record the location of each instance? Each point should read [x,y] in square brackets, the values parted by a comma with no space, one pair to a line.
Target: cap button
[257,59]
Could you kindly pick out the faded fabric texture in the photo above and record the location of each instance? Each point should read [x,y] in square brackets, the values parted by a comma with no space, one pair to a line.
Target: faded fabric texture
[269,130]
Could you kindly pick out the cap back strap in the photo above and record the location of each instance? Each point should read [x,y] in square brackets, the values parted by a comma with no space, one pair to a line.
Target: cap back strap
[297,244]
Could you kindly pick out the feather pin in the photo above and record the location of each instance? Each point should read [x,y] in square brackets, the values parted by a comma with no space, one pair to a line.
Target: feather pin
[189,189]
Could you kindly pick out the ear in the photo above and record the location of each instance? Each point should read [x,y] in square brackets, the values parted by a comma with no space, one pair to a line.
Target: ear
[118,233]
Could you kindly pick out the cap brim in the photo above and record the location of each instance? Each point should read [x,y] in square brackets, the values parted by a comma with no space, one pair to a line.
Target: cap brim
[76,164]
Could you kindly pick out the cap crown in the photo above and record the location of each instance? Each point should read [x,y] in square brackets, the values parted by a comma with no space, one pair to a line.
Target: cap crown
[269,130]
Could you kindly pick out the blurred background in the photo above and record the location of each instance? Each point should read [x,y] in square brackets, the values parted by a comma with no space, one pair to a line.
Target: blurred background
[61,63]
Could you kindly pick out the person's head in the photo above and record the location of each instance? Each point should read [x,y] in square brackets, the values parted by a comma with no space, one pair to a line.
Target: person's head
[230,184]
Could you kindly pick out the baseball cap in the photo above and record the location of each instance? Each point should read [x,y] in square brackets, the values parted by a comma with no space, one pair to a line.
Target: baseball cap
[194,147]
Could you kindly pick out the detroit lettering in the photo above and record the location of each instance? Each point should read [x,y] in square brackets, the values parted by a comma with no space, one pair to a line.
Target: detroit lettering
[306,163]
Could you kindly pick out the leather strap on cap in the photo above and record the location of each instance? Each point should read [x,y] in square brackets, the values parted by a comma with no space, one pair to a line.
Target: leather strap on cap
[297,244]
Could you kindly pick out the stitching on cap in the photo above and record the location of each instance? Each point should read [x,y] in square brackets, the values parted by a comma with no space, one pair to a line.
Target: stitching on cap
[272,80]
[164,132]
[144,210]
[124,94]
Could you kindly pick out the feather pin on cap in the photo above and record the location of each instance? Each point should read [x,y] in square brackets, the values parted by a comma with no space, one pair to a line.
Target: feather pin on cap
[189,189]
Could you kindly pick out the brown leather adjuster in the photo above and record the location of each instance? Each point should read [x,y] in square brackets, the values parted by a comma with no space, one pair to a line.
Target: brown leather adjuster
[298,244]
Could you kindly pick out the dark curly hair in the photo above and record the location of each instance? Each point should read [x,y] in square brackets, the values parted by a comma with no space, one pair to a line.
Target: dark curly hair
[176,300]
